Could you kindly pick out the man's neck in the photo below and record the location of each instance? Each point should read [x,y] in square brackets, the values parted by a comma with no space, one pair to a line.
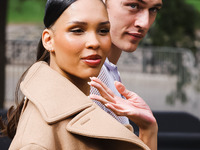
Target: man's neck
[114,54]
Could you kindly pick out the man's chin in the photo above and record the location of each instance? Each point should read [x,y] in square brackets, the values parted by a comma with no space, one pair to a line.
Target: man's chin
[130,48]
[126,46]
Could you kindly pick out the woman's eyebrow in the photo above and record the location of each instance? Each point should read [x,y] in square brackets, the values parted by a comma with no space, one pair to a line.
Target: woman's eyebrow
[84,23]
[104,23]
[77,22]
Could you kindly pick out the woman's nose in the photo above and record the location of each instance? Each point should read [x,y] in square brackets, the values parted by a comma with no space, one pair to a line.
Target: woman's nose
[92,41]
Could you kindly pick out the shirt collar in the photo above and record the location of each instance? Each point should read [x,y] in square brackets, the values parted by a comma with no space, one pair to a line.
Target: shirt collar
[110,65]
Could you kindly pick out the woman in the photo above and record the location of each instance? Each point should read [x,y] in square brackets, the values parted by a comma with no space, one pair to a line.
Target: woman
[56,112]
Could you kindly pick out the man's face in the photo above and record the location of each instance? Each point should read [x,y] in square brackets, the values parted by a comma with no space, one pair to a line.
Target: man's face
[130,20]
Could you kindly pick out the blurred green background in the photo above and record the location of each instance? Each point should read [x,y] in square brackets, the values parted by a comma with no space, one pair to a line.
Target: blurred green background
[176,25]
[33,10]
[25,11]
[195,3]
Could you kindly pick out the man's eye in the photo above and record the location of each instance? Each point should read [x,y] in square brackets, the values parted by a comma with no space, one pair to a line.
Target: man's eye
[154,10]
[134,6]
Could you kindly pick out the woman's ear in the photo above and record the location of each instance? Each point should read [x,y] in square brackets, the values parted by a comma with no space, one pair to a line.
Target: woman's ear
[47,40]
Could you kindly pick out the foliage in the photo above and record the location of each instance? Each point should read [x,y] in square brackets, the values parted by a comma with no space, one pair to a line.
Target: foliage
[195,3]
[26,11]
[183,78]
[175,25]
[197,86]
[171,61]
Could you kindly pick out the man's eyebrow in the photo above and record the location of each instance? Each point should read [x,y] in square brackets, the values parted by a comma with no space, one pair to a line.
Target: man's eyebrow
[156,5]
[141,1]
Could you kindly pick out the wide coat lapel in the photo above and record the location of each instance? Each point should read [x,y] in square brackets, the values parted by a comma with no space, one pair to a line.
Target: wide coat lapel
[94,122]
[55,96]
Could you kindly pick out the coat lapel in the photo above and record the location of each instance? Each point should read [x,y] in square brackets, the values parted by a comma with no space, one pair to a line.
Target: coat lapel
[96,123]
[54,95]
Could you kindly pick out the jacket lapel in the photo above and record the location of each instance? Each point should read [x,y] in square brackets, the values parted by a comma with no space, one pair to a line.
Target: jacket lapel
[54,95]
[96,123]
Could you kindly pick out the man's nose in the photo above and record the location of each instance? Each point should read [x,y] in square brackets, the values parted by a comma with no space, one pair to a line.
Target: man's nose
[92,41]
[142,20]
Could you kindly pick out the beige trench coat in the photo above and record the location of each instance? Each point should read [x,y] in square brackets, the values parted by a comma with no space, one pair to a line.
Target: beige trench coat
[58,116]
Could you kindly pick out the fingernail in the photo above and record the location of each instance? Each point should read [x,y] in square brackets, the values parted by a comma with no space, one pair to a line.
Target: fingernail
[89,83]
[92,78]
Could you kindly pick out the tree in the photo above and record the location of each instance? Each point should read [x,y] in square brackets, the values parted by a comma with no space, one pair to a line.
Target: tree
[3,12]
[175,25]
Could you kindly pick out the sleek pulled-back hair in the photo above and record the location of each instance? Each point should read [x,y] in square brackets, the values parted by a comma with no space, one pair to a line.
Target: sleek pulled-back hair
[53,10]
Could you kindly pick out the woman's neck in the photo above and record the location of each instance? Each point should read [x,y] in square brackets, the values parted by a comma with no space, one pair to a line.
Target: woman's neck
[82,84]
[84,87]
[114,54]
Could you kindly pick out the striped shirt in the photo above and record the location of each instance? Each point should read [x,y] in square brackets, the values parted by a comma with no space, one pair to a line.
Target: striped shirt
[108,75]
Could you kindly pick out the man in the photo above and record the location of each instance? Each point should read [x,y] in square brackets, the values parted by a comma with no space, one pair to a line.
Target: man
[130,21]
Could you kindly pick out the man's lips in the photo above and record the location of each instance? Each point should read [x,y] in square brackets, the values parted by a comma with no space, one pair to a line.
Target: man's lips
[135,36]
[92,60]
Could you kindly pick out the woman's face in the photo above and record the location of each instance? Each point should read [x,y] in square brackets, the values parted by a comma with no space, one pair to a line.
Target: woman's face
[80,40]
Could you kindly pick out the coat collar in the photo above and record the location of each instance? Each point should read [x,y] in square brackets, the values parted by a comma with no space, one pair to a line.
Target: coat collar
[51,93]
[39,86]
[94,122]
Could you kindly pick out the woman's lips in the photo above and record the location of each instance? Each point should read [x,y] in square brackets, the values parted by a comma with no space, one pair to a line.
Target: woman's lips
[92,60]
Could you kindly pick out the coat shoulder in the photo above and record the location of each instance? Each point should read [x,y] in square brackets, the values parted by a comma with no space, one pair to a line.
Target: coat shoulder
[32,130]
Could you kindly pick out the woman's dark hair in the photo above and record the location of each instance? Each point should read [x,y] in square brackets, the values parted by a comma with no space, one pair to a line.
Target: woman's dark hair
[53,10]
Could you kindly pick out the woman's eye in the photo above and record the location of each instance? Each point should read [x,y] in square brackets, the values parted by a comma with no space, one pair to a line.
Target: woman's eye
[77,31]
[104,31]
